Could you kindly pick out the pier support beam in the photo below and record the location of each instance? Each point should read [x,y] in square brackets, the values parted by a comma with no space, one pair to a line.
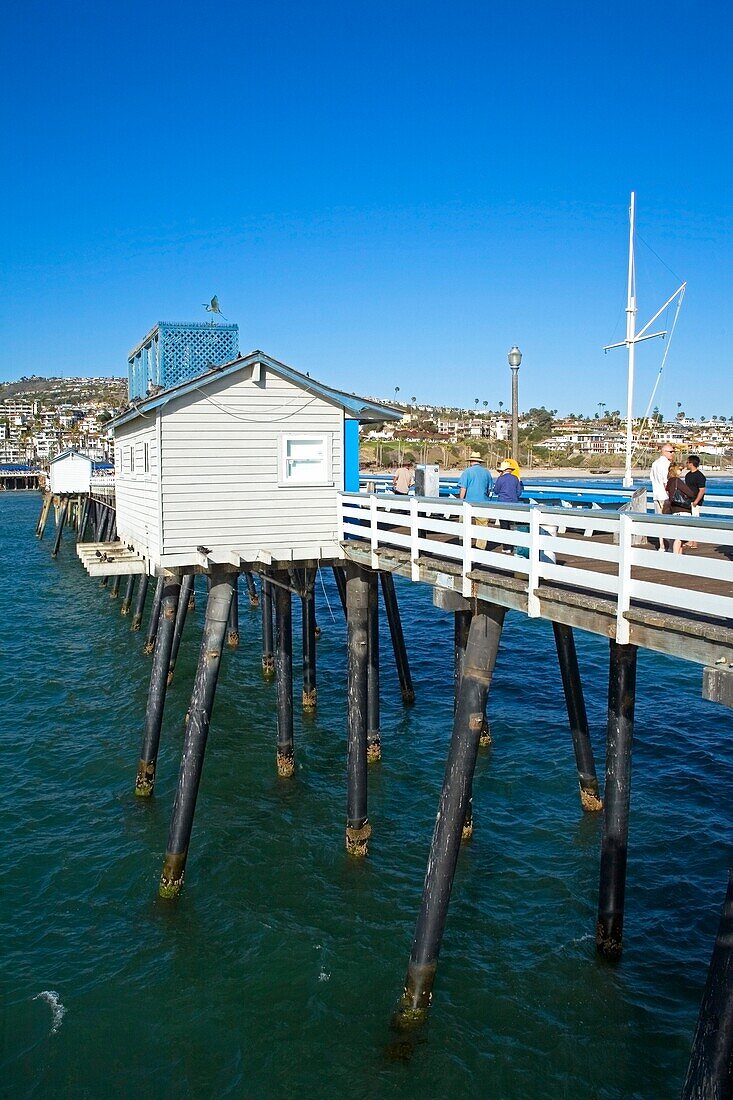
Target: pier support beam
[398,638]
[181,612]
[127,598]
[142,592]
[115,590]
[710,1073]
[308,608]
[358,829]
[374,735]
[254,599]
[233,625]
[284,675]
[268,642]
[480,658]
[616,799]
[82,528]
[45,509]
[60,527]
[145,780]
[590,799]
[197,731]
[340,578]
[461,627]
[154,617]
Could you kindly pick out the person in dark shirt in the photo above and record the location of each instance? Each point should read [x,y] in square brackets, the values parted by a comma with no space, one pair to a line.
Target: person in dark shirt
[695,479]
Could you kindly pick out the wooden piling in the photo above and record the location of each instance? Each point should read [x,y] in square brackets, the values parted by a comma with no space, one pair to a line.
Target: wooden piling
[358,829]
[84,519]
[254,600]
[115,590]
[142,593]
[154,616]
[284,675]
[60,527]
[461,628]
[617,794]
[197,731]
[480,658]
[233,625]
[145,780]
[181,612]
[374,734]
[590,799]
[308,620]
[268,644]
[339,577]
[45,509]
[398,638]
[710,1072]
[127,598]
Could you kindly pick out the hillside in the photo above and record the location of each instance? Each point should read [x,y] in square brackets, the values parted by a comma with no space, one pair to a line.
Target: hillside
[59,391]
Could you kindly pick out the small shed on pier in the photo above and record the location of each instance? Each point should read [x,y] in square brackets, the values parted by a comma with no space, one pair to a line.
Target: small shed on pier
[70,472]
[240,464]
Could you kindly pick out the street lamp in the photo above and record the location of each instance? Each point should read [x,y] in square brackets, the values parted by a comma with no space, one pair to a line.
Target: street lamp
[515,358]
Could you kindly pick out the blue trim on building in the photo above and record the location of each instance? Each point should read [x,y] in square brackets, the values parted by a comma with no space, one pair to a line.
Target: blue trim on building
[351,456]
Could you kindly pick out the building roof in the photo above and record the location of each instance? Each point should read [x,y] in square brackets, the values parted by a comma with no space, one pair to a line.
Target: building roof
[70,451]
[360,408]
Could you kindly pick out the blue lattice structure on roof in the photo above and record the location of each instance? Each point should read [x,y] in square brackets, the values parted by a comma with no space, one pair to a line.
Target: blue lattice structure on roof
[173,352]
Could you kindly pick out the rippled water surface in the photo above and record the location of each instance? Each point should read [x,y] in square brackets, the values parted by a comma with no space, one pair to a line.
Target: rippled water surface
[276,971]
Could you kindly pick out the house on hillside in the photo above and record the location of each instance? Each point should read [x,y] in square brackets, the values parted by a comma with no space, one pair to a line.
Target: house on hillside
[242,463]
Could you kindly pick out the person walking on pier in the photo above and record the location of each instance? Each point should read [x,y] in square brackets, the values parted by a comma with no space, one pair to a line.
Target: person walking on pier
[679,500]
[695,479]
[508,489]
[475,485]
[660,477]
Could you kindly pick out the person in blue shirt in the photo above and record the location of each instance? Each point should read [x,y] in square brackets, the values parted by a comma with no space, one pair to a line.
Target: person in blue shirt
[475,485]
[508,489]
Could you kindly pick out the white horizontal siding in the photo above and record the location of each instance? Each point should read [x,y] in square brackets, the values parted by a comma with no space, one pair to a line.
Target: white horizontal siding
[136,493]
[220,460]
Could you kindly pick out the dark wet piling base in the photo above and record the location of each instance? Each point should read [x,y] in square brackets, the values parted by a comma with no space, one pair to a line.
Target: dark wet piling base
[402,663]
[284,675]
[374,735]
[358,829]
[115,589]
[308,607]
[617,795]
[154,617]
[710,1072]
[233,624]
[196,732]
[45,509]
[268,638]
[60,527]
[590,799]
[254,600]
[478,666]
[142,593]
[181,613]
[145,779]
[127,598]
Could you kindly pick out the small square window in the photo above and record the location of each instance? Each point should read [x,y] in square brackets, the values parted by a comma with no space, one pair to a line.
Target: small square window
[305,459]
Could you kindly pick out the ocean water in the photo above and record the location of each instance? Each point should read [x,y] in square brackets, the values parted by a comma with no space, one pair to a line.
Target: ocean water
[276,971]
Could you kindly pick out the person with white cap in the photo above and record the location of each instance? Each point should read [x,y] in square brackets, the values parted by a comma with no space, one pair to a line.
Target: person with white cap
[475,485]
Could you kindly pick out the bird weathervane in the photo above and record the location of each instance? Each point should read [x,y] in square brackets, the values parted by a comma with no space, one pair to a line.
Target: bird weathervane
[214,308]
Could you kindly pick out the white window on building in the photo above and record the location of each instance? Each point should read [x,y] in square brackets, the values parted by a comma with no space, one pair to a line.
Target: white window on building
[132,460]
[146,458]
[305,459]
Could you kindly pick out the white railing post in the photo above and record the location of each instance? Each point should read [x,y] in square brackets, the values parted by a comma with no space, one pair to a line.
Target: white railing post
[414,537]
[533,578]
[467,562]
[626,528]
[373,531]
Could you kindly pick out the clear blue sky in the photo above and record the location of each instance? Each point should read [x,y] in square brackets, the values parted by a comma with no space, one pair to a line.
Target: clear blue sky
[384,194]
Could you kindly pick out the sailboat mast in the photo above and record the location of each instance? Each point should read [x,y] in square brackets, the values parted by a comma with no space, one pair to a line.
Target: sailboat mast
[631,345]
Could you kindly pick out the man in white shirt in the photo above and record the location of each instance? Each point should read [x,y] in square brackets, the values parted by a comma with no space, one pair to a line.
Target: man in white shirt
[660,477]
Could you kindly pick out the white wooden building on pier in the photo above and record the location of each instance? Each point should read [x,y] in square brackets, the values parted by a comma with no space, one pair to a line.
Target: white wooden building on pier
[240,464]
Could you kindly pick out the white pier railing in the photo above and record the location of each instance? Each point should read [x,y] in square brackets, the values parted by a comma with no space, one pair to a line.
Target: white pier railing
[608,554]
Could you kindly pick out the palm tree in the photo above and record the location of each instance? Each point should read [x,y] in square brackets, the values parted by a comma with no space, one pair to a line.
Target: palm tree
[486,404]
[501,406]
